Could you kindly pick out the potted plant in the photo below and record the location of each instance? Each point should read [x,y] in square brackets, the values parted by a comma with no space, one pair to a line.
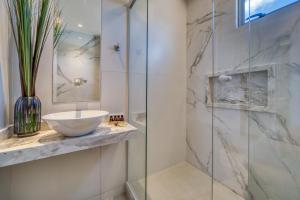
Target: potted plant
[58,26]
[31,23]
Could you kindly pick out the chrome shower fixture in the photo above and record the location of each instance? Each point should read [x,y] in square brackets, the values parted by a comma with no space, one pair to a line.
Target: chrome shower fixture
[131,3]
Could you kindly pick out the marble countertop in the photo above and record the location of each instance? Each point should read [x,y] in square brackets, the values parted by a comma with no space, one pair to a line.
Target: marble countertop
[49,143]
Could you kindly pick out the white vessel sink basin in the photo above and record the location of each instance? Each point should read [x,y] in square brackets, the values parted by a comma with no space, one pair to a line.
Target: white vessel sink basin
[75,123]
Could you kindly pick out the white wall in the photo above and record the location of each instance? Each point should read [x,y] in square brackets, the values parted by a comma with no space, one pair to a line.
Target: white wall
[4,68]
[83,175]
[166,83]
[113,64]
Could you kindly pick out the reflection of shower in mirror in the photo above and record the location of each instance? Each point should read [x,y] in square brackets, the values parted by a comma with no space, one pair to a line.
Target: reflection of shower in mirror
[79,82]
[76,62]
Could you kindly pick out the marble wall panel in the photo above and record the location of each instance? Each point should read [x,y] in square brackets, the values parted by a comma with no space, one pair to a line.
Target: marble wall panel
[269,137]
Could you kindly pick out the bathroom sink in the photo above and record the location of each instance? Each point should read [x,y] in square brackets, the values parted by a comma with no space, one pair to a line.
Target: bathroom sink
[75,123]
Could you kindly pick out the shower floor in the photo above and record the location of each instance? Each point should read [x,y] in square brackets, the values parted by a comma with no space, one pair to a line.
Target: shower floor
[183,182]
[121,197]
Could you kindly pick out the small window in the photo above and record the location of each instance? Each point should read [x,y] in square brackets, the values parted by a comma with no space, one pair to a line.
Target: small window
[255,9]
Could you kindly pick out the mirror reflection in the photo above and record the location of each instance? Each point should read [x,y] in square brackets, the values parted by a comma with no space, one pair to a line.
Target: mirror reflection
[76,66]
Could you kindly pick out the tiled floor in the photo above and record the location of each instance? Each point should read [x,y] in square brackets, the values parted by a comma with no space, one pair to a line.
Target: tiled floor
[184,182]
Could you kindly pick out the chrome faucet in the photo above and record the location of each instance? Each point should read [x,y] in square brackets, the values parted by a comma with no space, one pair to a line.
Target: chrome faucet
[79,107]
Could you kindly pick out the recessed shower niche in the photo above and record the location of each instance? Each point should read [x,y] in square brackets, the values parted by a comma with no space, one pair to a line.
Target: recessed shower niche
[241,89]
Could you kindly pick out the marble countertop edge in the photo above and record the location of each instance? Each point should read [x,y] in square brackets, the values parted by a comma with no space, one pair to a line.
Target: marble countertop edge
[48,143]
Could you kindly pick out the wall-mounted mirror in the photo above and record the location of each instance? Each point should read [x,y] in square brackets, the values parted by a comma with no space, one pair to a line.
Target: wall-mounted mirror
[76,63]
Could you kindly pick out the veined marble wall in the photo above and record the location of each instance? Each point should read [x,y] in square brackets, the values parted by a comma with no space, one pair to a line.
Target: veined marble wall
[199,64]
[269,138]
[274,138]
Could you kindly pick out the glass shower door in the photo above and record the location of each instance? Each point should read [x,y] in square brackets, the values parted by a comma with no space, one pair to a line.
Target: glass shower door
[274,139]
[255,97]
[137,158]
[228,95]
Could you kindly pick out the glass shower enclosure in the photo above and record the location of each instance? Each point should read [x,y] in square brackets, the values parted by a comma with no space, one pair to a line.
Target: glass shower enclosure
[137,102]
[242,118]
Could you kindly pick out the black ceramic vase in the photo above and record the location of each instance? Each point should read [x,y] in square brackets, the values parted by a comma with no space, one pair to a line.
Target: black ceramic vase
[27,116]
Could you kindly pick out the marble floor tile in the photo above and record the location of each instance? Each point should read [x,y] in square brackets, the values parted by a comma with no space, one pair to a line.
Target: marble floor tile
[184,182]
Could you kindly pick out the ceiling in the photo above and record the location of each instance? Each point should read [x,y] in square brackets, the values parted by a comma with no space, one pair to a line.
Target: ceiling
[82,12]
